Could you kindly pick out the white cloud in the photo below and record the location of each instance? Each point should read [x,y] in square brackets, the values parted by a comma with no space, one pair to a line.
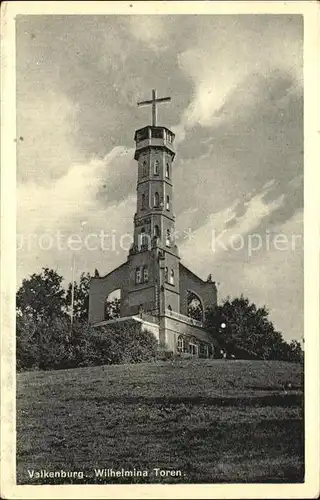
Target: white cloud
[224,57]
[46,119]
[150,30]
[59,208]
[212,238]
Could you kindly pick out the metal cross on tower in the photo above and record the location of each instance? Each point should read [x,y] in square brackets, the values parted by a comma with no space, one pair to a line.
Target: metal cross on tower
[154,101]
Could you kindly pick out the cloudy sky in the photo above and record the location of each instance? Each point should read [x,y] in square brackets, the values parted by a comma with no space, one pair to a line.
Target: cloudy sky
[236,88]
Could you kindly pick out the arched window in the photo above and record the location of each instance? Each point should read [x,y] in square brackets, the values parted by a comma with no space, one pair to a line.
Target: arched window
[145,169]
[156,167]
[168,238]
[144,238]
[143,201]
[166,274]
[145,275]
[169,308]
[195,307]
[156,199]
[180,344]
[168,202]
[168,171]
[156,231]
[171,277]
[193,346]
[138,275]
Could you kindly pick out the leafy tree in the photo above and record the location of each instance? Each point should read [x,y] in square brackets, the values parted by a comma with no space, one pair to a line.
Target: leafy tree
[296,352]
[53,336]
[81,298]
[248,332]
[27,345]
[41,296]
[112,309]
[42,344]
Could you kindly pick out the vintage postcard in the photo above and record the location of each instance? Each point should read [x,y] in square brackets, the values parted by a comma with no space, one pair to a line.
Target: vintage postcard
[160,261]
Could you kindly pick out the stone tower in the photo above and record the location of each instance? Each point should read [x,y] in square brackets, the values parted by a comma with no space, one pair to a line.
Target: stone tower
[154,258]
[155,286]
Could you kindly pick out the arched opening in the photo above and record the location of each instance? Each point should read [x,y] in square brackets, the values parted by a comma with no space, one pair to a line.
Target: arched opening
[195,307]
[168,171]
[112,305]
[145,275]
[143,201]
[156,199]
[145,169]
[168,238]
[193,346]
[168,203]
[138,275]
[169,307]
[181,344]
[171,281]
[156,231]
[166,274]
[156,167]
[144,238]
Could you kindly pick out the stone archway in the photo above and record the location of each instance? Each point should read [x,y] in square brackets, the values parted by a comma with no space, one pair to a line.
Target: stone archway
[112,305]
[195,308]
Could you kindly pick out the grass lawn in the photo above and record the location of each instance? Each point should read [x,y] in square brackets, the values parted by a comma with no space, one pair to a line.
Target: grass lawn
[214,420]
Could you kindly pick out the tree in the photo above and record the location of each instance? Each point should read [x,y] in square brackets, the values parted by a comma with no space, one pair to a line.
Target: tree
[41,296]
[248,332]
[112,309]
[81,298]
[27,346]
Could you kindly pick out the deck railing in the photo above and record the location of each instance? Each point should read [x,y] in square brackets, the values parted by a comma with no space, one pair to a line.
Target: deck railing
[182,317]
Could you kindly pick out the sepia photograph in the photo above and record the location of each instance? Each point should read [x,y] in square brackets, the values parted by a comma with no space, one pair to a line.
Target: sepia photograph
[159,273]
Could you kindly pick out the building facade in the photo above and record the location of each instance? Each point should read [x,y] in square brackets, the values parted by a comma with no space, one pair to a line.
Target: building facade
[156,288]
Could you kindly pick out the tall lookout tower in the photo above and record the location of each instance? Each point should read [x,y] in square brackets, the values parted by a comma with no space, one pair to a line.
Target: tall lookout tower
[157,290]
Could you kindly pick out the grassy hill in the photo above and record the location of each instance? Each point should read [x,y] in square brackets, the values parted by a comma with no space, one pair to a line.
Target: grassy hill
[213,420]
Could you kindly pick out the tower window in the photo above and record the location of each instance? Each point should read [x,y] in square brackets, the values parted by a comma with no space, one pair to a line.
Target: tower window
[166,274]
[145,275]
[144,238]
[168,238]
[138,275]
[145,169]
[171,277]
[156,231]
[143,201]
[156,167]
[168,203]
[156,199]
[167,171]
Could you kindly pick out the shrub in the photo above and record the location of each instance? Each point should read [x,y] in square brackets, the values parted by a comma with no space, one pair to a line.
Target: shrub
[54,344]
[123,342]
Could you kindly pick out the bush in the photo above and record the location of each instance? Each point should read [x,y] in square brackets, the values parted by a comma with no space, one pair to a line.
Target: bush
[54,344]
[123,342]
[164,355]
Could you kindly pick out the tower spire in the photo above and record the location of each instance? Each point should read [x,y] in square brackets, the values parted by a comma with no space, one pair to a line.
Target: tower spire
[154,101]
